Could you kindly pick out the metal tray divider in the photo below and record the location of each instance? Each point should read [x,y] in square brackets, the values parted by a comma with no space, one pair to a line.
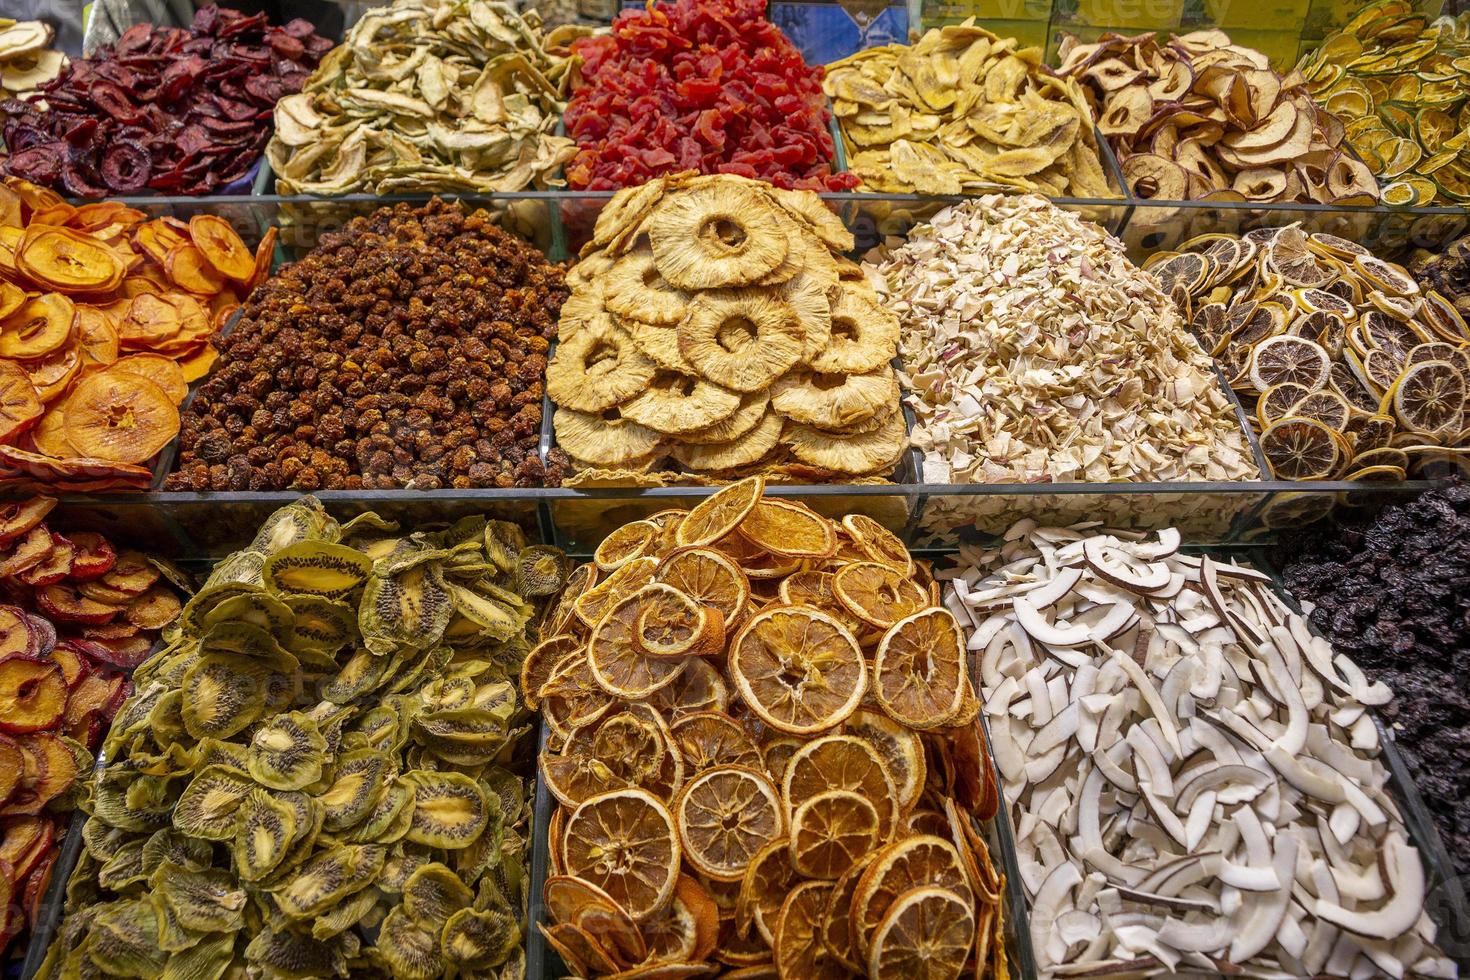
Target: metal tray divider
[1114,170]
[53,905]
[538,954]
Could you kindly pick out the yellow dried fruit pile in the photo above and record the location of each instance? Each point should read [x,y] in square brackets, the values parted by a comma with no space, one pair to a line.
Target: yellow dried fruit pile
[963,110]
[714,325]
[765,751]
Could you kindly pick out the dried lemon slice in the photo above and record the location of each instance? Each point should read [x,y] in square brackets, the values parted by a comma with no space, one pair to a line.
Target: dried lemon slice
[721,512]
[624,843]
[1301,449]
[846,763]
[1277,360]
[618,662]
[632,540]
[797,942]
[725,816]
[919,669]
[708,577]
[831,831]
[1276,401]
[764,886]
[909,863]
[1326,407]
[789,529]
[1429,397]
[876,593]
[800,670]
[927,932]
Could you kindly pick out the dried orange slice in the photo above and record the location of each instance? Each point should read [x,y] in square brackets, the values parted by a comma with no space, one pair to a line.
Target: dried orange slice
[618,663]
[624,843]
[699,687]
[1288,358]
[591,605]
[901,749]
[721,512]
[876,593]
[788,529]
[187,268]
[1276,401]
[758,564]
[1301,449]
[120,418]
[671,624]
[777,753]
[60,258]
[706,739]
[809,587]
[597,913]
[709,578]
[906,864]
[559,615]
[830,832]
[537,665]
[878,543]
[927,932]
[842,762]
[630,541]
[584,769]
[20,406]
[579,951]
[97,333]
[161,370]
[919,670]
[570,697]
[688,930]
[1388,332]
[1429,397]
[725,816]
[797,941]
[836,931]
[800,670]
[1326,407]
[763,888]
[221,247]
[37,327]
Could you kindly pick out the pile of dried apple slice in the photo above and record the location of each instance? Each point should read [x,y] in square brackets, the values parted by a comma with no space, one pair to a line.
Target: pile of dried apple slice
[1193,776]
[81,613]
[105,319]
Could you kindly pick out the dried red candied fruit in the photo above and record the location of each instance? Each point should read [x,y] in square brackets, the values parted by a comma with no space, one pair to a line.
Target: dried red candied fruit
[707,85]
[175,110]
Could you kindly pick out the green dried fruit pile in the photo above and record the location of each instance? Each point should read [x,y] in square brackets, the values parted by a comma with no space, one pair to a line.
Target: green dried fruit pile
[318,775]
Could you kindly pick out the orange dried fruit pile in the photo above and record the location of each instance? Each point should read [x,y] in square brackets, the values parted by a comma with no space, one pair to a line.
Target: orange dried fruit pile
[79,613]
[105,319]
[765,752]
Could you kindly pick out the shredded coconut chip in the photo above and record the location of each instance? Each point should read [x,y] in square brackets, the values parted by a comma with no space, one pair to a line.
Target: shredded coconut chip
[1035,352]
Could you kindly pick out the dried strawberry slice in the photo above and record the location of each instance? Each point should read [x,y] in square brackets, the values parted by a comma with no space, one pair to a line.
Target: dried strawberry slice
[32,695]
[94,556]
[63,603]
[126,167]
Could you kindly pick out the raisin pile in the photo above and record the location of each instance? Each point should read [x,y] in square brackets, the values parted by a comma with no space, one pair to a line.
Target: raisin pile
[1393,593]
[407,350]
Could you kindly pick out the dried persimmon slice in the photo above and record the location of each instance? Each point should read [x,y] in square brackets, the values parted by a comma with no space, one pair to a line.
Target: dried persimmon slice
[38,326]
[721,512]
[20,406]
[151,320]
[187,268]
[161,370]
[725,816]
[624,842]
[927,932]
[64,259]
[788,529]
[120,417]
[831,831]
[797,940]
[221,247]
[799,669]
[919,670]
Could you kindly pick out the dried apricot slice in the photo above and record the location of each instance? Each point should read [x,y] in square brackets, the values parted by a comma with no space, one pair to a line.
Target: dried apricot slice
[831,831]
[799,669]
[876,593]
[20,406]
[119,417]
[797,941]
[37,327]
[161,370]
[725,816]
[709,578]
[927,932]
[788,529]
[624,842]
[60,258]
[919,670]
[221,247]
[721,512]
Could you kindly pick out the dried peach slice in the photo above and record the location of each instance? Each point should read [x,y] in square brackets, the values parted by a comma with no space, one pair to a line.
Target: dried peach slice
[624,842]
[221,247]
[725,815]
[20,406]
[798,942]
[187,268]
[161,370]
[919,670]
[706,739]
[831,831]
[789,529]
[763,888]
[927,932]
[120,417]
[709,578]
[799,669]
[60,258]
[618,663]
[37,327]
[876,593]
[842,762]
[720,513]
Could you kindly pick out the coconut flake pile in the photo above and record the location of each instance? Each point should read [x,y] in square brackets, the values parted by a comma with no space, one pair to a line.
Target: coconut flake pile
[1035,352]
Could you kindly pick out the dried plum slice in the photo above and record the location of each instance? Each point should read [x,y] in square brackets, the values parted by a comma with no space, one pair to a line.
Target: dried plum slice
[111,99]
[126,167]
[39,164]
[267,88]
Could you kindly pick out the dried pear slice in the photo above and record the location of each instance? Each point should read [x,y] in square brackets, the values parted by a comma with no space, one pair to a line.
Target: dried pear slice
[741,339]
[601,441]
[597,368]
[675,403]
[716,235]
[120,418]
[318,568]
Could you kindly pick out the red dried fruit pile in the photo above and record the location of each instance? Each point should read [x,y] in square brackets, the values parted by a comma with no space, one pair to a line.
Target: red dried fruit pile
[180,111]
[707,85]
[80,615]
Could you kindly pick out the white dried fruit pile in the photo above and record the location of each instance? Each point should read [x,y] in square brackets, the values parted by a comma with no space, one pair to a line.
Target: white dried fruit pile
[1193,776]
[1035,352]
[715,331]
[27,61]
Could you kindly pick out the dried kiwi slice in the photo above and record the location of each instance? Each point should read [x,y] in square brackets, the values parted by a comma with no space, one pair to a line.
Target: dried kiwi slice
[328,878]
[411,608]
[204,901]
[450,810]
[222,695]
[480,939]
[433,893]
[410,950]
[358,784]
[264,835]
[316,568]
[209,807]
[319,623]
[287,752]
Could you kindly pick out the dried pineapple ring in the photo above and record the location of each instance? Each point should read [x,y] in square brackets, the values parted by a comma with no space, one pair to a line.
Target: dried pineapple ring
[861,454]
[64,259]
[633,288]
[741,339]
[800,670]
[659,342]
[598,368]
[119,417]
[600,441]
[675,403]
[864,333]
[808,293]
[717,235]
[221,247]
[743,450]
[834,401]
